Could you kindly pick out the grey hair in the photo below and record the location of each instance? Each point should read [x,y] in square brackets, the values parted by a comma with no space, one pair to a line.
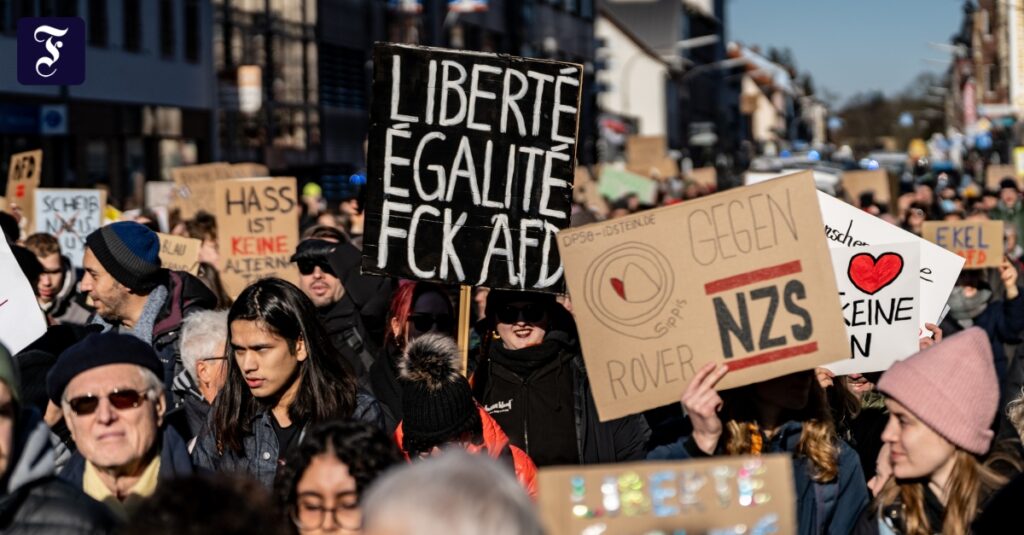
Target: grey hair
[1015,414]
[468,495]
[204,334]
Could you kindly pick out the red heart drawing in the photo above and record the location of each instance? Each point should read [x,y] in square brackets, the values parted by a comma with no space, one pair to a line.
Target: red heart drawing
[619,287]
[870,275]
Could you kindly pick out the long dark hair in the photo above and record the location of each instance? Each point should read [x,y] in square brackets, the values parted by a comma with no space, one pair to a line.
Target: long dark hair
[327,388]
[364,449]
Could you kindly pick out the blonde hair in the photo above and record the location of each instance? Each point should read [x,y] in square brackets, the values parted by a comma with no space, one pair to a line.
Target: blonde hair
[818,440]
[1015,413]
[968,481]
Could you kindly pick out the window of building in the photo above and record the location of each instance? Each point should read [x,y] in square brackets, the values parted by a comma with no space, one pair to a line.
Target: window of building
[97,22]
[986,22]
[342,77]
[192,30]
[132,21]
[992,74]
[167,43]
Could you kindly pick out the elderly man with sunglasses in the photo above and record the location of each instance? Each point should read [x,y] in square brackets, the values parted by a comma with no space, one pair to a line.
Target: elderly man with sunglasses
[110,389]
[351,306]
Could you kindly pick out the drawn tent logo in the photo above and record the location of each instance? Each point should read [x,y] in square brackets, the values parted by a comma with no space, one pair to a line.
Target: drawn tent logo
[629,286]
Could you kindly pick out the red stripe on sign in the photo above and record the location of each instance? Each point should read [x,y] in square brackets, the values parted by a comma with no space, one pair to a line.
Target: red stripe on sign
[772,356]
[759,275]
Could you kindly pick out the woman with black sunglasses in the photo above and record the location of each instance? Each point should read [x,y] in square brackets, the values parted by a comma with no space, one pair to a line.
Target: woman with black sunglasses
[532,381]
[417,308]
[285,376]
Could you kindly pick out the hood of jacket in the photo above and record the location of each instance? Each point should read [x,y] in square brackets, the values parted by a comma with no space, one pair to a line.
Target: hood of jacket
[185,294]
[494,439]
[33,457]
[67,291]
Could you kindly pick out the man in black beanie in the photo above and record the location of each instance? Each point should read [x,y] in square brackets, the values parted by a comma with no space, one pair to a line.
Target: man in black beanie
[133,294]
[439,410]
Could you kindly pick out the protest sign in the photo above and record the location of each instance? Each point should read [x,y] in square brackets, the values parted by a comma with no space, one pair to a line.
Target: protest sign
[257,230]
[248,170]
[994,174]
[3,204]
[1018,161]
[856,183]
[847,226]
[648,156]
[470,165]
[70,215]
[706,177]
[23,176]
[179,253]
[617,183]
[159,193]
[880,292]
[742,494]
[21,320]
[738,278]
[194,186]
[980,243]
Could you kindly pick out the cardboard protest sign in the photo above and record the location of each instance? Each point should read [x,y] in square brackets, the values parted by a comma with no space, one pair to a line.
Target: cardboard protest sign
[159,193]
[248,170]
[994,174]
[3,204]
[23,178]
[257,230]
[179,253]
[645,151]
[617,183]
[980,243]
[742,494]
[194,186]
[70,215]
[1018,161]
[470,165]
[738,278]
[856,183]
[705,176]
[847,226]
[880,291]
[21,320]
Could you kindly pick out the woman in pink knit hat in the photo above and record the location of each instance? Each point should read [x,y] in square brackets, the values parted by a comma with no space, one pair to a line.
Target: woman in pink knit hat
[942,402]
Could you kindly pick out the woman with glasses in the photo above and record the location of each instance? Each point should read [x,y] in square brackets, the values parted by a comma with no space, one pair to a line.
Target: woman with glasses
[532,381]
[323,480]
[417,308]
[284,376]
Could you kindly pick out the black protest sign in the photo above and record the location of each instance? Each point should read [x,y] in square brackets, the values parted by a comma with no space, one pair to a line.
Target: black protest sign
[470,166]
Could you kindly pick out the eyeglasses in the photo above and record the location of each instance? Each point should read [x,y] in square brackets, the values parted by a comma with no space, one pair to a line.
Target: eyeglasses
[426,322]
[307,267]
[530,313]
[119,399]
[308,517]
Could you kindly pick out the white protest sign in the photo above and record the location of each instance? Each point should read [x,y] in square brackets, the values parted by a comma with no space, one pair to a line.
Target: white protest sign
[21,320]
[880,291]
[847,226]
[70,215]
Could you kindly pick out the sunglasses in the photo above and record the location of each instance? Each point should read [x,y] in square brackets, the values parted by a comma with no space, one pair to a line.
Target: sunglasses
[531,313]
[306,267]
[119,399]
[427,322]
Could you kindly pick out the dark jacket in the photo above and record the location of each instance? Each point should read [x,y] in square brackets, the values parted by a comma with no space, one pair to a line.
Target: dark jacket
[814,517]
[1002,511]
[355,324]
[385,387]
[619,440]
[891,520]
[174,460]
[1003,322]
[34,500]
[260,449]
[185,294]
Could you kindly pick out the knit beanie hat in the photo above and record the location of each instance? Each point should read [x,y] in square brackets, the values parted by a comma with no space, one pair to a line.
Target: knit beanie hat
[130,252]
[950,386]
[9,373]
[100,349]
[437,402]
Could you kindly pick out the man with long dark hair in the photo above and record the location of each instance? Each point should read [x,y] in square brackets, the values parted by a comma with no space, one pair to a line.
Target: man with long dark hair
[284,376]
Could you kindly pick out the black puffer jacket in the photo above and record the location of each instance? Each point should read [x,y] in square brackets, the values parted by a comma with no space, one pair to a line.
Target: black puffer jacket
[35,501]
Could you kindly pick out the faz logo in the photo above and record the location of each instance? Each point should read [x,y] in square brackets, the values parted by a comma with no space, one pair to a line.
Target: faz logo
[51,51]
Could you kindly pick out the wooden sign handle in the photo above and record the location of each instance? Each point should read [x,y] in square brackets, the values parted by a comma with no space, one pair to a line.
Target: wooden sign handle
[465,298]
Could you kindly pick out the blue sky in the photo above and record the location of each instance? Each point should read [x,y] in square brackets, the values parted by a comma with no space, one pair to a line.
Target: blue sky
[850,45]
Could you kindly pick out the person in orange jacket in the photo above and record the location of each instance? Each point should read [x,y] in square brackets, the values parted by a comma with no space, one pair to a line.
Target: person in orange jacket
[439,411]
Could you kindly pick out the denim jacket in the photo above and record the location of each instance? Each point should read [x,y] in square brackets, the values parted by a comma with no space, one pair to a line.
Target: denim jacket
[260,450]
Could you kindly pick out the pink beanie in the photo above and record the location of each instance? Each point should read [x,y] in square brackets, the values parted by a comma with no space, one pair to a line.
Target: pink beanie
[950,386]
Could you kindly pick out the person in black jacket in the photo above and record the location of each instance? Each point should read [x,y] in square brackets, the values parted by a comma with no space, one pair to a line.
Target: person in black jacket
[350,305]
[32,499]
[532,380]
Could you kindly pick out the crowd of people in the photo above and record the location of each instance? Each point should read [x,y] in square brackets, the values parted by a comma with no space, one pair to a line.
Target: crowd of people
[157,403]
